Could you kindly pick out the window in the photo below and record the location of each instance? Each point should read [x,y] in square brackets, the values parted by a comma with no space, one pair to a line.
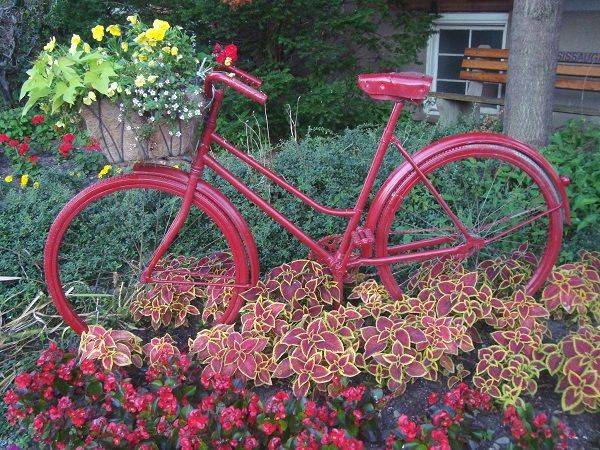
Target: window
[445,49]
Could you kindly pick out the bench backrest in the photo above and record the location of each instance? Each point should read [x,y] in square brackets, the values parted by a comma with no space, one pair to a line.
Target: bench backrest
[489,65]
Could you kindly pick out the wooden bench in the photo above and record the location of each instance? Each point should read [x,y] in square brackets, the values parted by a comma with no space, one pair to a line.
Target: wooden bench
[575,71]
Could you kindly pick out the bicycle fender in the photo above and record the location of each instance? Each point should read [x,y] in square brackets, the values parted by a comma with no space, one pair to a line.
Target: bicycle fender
[218,199]
[436,148]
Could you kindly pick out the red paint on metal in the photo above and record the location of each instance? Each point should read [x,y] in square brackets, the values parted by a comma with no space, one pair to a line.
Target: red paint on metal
[397,87]
[197,193]
[235,84]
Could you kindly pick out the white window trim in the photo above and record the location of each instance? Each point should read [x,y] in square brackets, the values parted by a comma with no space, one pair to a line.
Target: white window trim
[461,20]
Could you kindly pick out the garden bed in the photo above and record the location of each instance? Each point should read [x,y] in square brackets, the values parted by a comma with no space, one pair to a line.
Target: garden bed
[62,177]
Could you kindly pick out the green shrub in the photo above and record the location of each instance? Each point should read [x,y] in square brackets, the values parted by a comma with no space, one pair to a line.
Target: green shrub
[574,151]
[19,127]
[25,216]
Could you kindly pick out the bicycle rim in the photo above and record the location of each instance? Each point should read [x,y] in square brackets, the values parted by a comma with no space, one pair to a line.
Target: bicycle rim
[104,238]
[500,196]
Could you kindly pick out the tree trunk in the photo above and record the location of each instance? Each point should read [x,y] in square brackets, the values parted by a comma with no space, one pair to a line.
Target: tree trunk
[533,47]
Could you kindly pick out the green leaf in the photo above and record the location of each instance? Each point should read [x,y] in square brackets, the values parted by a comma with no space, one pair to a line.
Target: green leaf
[94,388]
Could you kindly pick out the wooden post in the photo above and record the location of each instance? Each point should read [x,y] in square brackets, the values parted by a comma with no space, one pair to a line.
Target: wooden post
[533,45]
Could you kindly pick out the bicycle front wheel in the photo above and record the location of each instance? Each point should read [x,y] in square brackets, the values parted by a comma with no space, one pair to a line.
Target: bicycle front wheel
[102,240]
[502,197]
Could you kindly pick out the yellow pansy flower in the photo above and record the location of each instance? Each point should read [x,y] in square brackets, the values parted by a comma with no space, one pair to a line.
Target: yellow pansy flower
[98,32]
[155,34]
[143,57]
[166,49]
[161,24]
[86,47]
[124,46]
[133,20]
[8,179]
[115,30]
[104,171]
[36,184]
[140,81]
[75,40]
[174,51]
[152,78]
[50,45]
[24,180]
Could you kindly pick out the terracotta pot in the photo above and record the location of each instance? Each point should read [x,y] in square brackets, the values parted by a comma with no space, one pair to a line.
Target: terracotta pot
[120,139]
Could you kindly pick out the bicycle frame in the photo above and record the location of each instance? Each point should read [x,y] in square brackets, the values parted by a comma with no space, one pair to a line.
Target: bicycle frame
[341,260]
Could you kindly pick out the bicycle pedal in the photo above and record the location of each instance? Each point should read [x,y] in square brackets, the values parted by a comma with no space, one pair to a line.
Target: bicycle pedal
[363,238]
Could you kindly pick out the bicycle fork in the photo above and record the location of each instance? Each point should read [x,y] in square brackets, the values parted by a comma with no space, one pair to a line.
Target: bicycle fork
[190,190]
[472,242]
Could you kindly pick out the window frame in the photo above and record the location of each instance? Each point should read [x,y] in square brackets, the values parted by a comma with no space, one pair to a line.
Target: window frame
[461,21]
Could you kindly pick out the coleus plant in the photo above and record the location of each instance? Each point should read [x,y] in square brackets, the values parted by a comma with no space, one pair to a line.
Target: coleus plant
[506,272]
[303,286]
[576,362]
[517,310]
[510,368]
[227,352]
[316,353]
[110,347]
[170,301]
[161,351]
[574,289]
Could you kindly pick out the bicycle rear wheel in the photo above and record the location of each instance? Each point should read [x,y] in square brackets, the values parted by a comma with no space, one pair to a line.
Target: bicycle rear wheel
[102,240]
[500,195]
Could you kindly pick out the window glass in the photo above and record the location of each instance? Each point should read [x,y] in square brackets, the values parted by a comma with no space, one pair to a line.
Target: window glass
[454,41]
[493,38]
[454,87]
[449,67]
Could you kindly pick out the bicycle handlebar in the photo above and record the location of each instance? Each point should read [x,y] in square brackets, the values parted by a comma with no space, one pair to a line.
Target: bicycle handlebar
[245,76]
[233,83]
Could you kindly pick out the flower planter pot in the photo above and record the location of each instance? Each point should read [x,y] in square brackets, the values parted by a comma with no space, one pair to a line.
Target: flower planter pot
[121,141]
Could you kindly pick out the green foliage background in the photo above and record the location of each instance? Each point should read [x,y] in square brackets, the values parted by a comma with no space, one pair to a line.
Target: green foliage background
[307,51]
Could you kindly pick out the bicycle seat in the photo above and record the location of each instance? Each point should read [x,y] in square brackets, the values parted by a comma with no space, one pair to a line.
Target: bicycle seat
[411,86]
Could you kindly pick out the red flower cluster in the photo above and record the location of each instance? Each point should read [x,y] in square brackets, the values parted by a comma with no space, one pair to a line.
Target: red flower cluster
[176,405]
[539,432]
[226,56]
[66,144]
[38,119]
[446,419]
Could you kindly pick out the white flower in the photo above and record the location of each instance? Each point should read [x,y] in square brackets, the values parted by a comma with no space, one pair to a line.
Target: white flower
[151,119]
[128,127]
[178,134]
[170,133]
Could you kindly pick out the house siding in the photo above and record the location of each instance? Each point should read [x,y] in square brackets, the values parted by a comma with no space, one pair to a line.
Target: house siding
[578,33]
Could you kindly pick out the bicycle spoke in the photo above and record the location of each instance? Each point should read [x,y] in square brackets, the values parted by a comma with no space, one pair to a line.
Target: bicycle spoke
[498,203]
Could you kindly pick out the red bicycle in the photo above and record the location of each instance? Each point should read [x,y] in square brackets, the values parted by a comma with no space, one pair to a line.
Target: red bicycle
[480,197]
